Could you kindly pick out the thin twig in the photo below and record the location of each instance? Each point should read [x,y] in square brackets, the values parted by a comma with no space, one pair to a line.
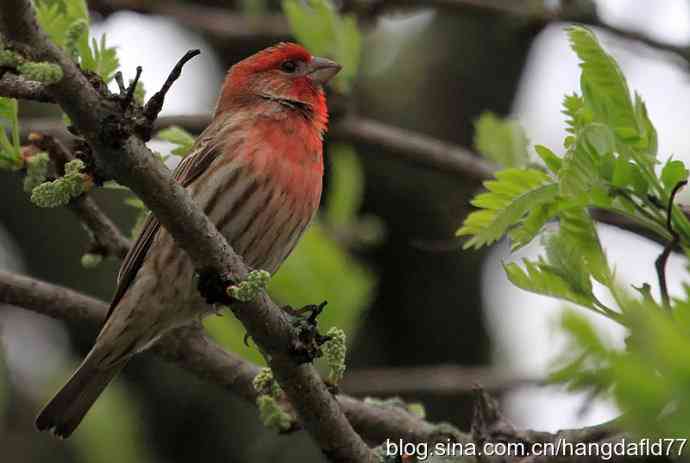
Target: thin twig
[107,238]
[155,104]
[133,87]
[120,80]
[660,262]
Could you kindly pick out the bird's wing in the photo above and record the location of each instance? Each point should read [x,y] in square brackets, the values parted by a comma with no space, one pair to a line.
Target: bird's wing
[188,170]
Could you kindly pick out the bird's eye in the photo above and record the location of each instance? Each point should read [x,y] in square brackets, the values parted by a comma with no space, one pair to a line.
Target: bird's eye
[289,66]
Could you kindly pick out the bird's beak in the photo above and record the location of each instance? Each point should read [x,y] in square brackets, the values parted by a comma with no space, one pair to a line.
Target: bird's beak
[321,70]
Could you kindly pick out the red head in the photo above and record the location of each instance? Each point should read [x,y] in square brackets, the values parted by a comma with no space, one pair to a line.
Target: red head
[286,73]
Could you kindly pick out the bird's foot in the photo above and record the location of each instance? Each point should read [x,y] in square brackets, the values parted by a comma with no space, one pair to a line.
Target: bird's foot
[307,345]
[213,287]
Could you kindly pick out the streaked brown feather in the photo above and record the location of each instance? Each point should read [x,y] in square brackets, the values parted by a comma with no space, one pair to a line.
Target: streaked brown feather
[189,169]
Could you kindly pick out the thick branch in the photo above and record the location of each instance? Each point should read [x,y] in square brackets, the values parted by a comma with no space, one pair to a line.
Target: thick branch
[490,425]
[131,163]
[192,350]
[13,86]
[413,147]
[441,380]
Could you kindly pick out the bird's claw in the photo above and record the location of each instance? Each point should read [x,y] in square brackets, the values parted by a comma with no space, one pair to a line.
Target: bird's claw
[213,287]
[314,311]
[307,345]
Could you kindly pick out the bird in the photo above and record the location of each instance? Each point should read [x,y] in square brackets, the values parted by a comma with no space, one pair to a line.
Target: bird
[257,173]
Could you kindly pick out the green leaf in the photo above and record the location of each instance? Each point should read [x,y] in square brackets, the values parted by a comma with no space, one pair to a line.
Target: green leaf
[105,59]
[75,37]
[648,137]
[582,330]
[8,110]
[523,233]
[565,259]
[673,172]
[578,231]
[569,370]
[56,17]
[67,24]
[604,88]
[177,136]
[501,140]
[627,174]
[508,199]
[552,161]
[318,26]
[577,114]
[539,278]
[52,18]
[583,164]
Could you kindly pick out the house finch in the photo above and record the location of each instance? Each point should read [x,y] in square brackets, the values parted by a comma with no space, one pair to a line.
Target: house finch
[257,172]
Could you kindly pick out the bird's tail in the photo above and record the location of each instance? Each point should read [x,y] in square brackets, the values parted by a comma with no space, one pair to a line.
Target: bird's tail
[66,410]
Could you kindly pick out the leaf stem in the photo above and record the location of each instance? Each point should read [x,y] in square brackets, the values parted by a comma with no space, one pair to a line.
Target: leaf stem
[663,257]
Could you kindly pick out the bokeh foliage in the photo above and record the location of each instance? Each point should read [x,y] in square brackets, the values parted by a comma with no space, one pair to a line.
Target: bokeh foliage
[610,163]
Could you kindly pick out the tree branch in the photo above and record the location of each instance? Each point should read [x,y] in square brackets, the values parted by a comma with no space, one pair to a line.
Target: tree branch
[223,24]
[192,350]
[13,86]
[155,104]
[490,425]
[107,239]
[127,158]
[217,22]
[413,147]
[536,14]
[440,380]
